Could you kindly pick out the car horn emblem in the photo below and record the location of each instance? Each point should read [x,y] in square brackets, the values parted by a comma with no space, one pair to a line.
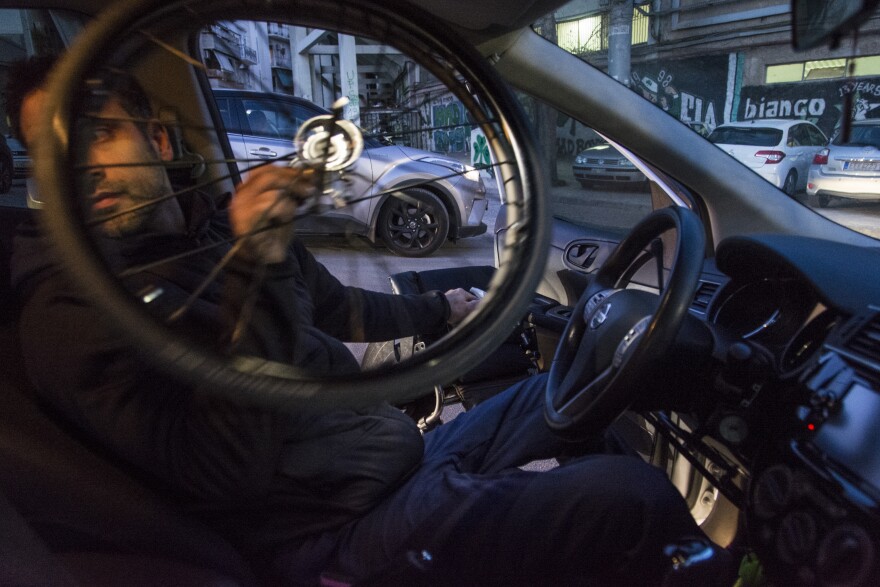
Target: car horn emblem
[600,316]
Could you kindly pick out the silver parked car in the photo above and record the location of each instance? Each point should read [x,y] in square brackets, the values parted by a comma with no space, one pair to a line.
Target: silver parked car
[848,169]
[443,198]
[778,150]
[604,164]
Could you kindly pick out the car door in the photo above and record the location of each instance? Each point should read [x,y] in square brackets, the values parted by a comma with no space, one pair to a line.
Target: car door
[818,141]
[801,149]
[262,127]
[269,126]
[226,106]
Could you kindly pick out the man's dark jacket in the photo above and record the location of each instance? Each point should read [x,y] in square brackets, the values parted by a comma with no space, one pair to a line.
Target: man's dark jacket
[284,475]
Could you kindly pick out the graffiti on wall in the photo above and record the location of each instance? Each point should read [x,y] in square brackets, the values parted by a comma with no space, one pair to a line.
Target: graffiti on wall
[572,137]
[694,91]
[820,102]
[353,108]
[452,126]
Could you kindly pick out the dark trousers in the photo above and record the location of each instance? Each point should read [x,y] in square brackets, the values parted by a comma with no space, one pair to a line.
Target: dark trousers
[470,516]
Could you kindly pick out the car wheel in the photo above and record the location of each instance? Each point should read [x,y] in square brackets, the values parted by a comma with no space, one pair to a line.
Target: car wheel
[790,185]
[5,176]
[413,223]
[584,183]
[823,200]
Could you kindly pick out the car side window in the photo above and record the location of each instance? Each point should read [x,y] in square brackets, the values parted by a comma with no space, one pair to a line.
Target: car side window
[275,118]
[260,120]
[230,122]
[795,136]
[817,139]
[591,184]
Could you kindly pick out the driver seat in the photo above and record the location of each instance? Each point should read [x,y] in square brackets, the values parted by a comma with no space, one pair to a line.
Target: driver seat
[73,516]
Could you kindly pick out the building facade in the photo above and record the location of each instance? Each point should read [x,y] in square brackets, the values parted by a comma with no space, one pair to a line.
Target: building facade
[705,62]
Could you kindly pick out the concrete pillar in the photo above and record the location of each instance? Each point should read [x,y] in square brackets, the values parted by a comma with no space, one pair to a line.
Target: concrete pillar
[264,67]
[302,65]
[348,77]
[620,40]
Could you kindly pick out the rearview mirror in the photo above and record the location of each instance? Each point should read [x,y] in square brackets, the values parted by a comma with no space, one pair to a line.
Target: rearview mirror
[814,22]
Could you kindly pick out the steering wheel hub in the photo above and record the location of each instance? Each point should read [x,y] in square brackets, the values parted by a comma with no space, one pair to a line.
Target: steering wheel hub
[616,334]
[629,341]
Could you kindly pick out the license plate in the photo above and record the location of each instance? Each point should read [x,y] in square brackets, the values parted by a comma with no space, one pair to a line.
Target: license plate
[861,165]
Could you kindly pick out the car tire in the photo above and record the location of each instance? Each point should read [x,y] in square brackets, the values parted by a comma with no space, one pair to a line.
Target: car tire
[415,225]
[584,184]
[790,184]
[5,176]
[822,200]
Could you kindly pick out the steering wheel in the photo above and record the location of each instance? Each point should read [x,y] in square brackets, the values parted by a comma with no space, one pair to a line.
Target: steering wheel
[616,337]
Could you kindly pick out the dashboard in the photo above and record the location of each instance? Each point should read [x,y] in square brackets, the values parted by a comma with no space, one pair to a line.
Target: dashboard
[789,414]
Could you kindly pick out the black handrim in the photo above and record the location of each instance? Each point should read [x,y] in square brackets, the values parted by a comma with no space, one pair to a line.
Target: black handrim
[273,383]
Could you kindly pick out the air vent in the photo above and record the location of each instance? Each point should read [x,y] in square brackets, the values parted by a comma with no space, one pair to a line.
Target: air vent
[866,341]
[705,292]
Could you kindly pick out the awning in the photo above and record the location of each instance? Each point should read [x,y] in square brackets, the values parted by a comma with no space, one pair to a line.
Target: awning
[285,78]
[225,61]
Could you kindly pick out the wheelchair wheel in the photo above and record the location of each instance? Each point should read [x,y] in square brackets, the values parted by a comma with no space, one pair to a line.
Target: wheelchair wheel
[160,43]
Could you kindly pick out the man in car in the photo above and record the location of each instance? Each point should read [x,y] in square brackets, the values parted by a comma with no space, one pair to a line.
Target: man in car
[359,493]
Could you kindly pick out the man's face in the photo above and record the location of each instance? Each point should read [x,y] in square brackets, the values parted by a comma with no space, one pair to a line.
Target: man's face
[112,184]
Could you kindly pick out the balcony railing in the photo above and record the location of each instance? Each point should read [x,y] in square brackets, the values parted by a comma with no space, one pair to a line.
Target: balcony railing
[278,30]
[283,61]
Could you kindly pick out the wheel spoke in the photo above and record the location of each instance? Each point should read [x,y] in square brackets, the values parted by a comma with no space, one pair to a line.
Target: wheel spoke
[417,220]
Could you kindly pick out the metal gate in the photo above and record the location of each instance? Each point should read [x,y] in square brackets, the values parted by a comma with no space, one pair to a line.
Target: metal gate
[402,127]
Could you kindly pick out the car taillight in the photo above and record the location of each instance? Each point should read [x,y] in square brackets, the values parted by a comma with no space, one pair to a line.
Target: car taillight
[821,158]
[771,156]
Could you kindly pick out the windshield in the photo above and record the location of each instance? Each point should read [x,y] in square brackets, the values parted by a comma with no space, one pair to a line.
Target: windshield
[861,135]
[760,137]
[709,64]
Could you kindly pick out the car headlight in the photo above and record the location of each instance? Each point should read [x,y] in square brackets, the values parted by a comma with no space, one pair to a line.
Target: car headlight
[580,160]
[470,173]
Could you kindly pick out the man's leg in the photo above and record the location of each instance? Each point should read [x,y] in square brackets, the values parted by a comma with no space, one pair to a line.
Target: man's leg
[598,519]
[479,515]
[506,430]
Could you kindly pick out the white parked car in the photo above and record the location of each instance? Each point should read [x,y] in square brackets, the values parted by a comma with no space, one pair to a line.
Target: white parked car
[780,151]
[848,168]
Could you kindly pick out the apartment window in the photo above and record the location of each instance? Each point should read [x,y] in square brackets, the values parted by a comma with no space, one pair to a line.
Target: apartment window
[640,25]
[825,69]
[590,33]
[584,35]
[822,69]
[866,65]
